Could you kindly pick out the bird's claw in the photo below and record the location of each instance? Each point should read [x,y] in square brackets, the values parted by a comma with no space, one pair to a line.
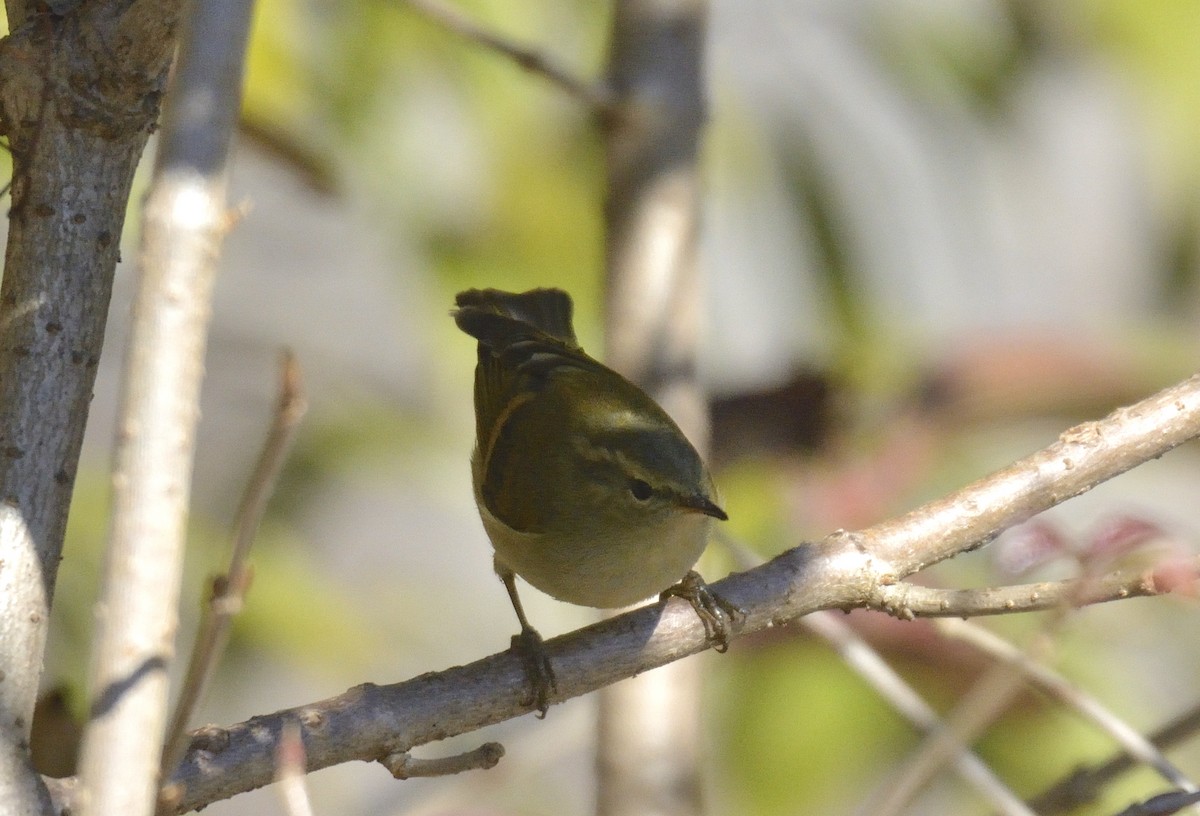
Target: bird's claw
[717,614]
[530,648]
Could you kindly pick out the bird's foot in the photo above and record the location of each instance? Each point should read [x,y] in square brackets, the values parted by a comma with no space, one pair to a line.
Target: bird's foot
[717,614]
[530,648]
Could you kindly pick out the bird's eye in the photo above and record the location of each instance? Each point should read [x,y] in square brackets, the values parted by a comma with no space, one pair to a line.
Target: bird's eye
[640,490]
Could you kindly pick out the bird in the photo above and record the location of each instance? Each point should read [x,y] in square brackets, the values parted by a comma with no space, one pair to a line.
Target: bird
[586,487]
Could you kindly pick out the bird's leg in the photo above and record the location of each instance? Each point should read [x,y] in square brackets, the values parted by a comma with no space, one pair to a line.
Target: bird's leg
[529,647]
[716,613]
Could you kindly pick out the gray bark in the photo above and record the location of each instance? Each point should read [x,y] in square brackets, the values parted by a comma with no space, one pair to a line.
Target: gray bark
[78,96]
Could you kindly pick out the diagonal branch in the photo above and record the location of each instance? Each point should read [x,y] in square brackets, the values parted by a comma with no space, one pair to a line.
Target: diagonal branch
[1083,785]
[229,590]
[891,686]
[593,94]
[906,601]
[1082,457]
[372,722]
[868,664]
[1058,688]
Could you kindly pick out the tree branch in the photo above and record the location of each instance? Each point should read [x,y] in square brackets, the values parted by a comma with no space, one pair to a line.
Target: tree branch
[1058,688]
[1082,457]
[860,657]
[1082,786]
[906,601]
[184,224]
[406,766]
[76,112]
[595,96]
[371,722]
[229,590]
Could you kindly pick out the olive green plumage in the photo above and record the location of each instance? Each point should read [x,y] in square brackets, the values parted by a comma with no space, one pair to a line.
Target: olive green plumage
[586,487]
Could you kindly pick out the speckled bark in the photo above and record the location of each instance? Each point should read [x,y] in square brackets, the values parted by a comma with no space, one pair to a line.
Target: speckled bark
[79,94]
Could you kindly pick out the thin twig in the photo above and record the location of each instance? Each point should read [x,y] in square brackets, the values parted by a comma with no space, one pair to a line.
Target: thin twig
[994,692]
[975,712]
[229,590]
[1058,688]
[403,765]
[870,666]
[907,601]
[865,661]
[1162,805]
[1082,786]
[977,709]
[594,95]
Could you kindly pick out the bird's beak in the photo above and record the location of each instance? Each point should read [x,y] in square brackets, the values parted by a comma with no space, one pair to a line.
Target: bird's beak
[703,504]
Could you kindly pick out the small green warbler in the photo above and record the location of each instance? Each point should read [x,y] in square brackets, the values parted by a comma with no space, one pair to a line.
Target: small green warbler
[586,488]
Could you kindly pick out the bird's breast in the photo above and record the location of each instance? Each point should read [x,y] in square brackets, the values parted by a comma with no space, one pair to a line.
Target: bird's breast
[603,568]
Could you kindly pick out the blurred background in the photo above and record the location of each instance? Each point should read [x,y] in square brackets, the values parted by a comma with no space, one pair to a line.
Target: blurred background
[937,233]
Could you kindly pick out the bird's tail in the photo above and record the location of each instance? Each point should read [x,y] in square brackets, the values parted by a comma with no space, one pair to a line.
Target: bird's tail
[498,319]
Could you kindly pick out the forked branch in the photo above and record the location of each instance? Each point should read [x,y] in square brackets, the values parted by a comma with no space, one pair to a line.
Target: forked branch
[844,571]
